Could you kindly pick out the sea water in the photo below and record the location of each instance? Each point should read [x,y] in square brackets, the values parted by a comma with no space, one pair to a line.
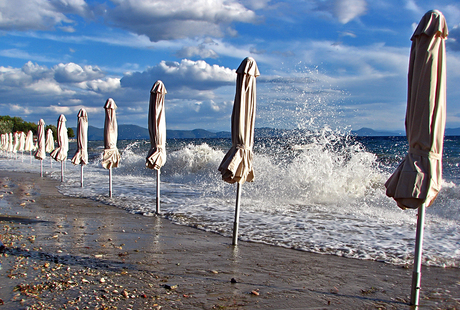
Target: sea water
[320,192]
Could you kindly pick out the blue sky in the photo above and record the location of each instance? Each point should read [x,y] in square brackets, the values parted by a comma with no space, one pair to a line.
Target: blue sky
[336,63]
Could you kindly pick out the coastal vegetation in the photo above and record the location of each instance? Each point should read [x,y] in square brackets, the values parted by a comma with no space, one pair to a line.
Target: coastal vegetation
[12,124]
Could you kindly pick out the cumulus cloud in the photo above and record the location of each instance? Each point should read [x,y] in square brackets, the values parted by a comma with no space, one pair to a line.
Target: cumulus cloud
[175,19]
[344,10]
[39,14]
[73,73]
[34,87]
[347,10]
[197,75]
[201,51]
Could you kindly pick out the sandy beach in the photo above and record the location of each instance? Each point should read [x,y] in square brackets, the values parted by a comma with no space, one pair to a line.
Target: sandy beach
[73,253]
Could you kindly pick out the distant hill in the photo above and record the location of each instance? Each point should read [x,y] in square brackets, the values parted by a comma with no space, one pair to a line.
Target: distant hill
[127,132]
[452,132]
[368,132]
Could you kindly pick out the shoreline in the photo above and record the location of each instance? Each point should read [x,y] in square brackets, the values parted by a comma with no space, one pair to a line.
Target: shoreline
[78,252]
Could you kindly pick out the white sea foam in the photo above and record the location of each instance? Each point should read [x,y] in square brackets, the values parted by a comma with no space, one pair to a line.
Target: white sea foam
[324,194]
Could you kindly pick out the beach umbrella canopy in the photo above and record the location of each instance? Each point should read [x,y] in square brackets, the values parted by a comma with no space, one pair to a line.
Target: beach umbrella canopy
[111,157]
[40,154]
[417,180]
[81,155]
[22,141]
[236,167]
[29,142]
[10,142]
[237,163]
[49,144]
[16,142]
[156,156]
[3,141]
[60,153]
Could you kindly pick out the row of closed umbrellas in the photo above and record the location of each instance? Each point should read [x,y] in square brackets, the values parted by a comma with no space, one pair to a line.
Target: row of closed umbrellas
[415,183]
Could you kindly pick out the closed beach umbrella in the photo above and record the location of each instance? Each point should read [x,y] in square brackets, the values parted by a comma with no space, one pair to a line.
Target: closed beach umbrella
[156,156]
[29,146]
[81,155]
[40,154]
[3,142]
[417,180]
[16,142]
[22,143]
[10,142]
[111,157]
[60,153]
[236,167]
[49,145]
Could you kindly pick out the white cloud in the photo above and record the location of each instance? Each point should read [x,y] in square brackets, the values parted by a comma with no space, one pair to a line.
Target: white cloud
[33,88]
[38,14]
[347,10]
[343,10]
[200,51]
[105,86]
[197,75]
[413,7]
[174,19]
[73,73]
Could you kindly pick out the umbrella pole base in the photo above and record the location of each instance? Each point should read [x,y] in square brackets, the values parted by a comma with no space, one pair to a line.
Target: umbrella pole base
[158,193]
[417,273]
[237,215]
[110,182]
[415,294]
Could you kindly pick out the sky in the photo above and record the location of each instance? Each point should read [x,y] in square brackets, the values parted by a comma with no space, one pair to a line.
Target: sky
[336,63]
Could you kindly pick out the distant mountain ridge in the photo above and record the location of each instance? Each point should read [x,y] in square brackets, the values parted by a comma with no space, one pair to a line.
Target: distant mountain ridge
[128,132]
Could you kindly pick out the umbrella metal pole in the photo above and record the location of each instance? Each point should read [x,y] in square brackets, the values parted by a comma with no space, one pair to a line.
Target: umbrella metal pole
[62,171]
[51,161]
[81,176]
[158,191]
[110,182]
[417,273]
[237,214]
[41,168]
[30,155]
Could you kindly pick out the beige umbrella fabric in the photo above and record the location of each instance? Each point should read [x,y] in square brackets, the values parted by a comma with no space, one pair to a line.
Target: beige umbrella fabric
[40,154]
[49,144]
[3,141]
[418,178]
[111,157]
[237,163]
[29,147]
[22,141]
[60,153]
[10,142]
[156,156]
[81,156]
[16,142]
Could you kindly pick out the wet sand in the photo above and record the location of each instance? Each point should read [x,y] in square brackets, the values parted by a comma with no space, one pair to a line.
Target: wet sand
[74,253]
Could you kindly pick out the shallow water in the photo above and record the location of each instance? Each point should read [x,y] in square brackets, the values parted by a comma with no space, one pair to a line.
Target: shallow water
[321,192]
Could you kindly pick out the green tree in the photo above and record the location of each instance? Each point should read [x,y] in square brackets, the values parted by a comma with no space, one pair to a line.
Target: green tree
[6,126]
[12,124]
[70,132]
